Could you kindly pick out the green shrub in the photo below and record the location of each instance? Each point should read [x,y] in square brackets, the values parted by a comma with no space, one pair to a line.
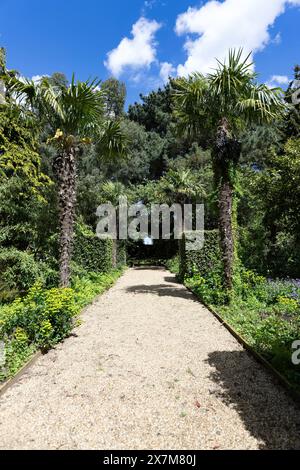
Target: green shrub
[16,354]
[45,317]
[173,264]
[90,252]
[92,284]
[209,290]
[18,272]
[203,261]
[121,254]
[248,283]
[202,270]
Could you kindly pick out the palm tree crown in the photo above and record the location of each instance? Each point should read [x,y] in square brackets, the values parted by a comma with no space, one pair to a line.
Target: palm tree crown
[230,92]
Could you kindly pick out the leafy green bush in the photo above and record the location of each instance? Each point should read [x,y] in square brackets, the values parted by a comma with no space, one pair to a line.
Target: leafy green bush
[269,329]
[121,254]
[18,272]
[209,290]
[90,252]
[92,284]
[45,317]
[202,269]
[203,261]
[173,264]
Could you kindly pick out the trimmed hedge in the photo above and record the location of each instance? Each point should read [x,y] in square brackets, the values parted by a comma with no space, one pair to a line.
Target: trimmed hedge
[96,255]
[204,261]
[92,253]
[121,254]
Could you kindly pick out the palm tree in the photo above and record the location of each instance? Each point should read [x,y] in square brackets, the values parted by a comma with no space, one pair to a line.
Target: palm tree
[112,191]
[217,107]
[180,186]
[74,115]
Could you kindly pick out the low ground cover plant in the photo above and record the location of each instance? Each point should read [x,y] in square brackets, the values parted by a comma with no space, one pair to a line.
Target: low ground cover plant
[44,317]
[264,311]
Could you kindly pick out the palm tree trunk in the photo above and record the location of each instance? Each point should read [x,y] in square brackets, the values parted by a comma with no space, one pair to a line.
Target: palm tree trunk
[226,231]
[226,156]
[66,172]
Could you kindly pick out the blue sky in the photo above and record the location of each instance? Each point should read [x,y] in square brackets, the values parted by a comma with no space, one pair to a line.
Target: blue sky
[169,37]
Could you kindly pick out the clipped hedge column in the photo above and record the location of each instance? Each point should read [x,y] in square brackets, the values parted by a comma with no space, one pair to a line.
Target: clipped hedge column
[92,253]
[201,261]
[121,253]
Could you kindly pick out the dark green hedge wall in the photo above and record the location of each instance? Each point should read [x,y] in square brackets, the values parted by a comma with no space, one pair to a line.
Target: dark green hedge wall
[204,261]
[121,254]
[90,252]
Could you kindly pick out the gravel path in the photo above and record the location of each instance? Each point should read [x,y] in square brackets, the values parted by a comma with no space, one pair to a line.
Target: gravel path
[150,368]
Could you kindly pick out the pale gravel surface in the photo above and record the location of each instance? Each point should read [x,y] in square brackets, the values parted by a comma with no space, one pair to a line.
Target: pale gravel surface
[150,368]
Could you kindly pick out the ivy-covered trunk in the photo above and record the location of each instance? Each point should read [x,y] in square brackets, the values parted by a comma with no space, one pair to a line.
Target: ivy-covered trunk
[226,156]
[226,230]
[66,173]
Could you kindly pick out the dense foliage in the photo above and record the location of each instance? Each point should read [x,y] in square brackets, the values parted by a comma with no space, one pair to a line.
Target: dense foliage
[265,312]
[223,140]
[45,317]
[43,127]
[90,252]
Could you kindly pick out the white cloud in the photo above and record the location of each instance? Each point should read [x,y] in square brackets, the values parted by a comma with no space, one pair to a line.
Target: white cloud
[166,70]
[149,4]
[277,39]
[276,80]
[136,53]
[38,78]
[280,79]
[224,25]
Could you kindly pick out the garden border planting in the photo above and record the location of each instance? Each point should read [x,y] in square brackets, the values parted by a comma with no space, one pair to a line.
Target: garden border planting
[115,275]
[276,374]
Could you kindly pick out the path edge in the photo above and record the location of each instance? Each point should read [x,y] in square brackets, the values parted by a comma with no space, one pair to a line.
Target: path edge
[13,380]
[258,357]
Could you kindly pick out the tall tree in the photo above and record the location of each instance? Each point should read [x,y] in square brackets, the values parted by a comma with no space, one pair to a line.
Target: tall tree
[144,154]
[22,182]
[220,106]
[114,93]
[155,111]
[292,95]
[75,114]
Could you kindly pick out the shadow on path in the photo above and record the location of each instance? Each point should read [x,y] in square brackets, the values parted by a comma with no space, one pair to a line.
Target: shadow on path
[244,387]
[172,279]
[148,268]
[161,290]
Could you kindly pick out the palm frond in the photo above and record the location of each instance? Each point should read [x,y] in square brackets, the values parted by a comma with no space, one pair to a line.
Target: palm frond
[51,97]
[262,104]
[190,99]
[83,106]
[21,89]
[230,80]
[112,142]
